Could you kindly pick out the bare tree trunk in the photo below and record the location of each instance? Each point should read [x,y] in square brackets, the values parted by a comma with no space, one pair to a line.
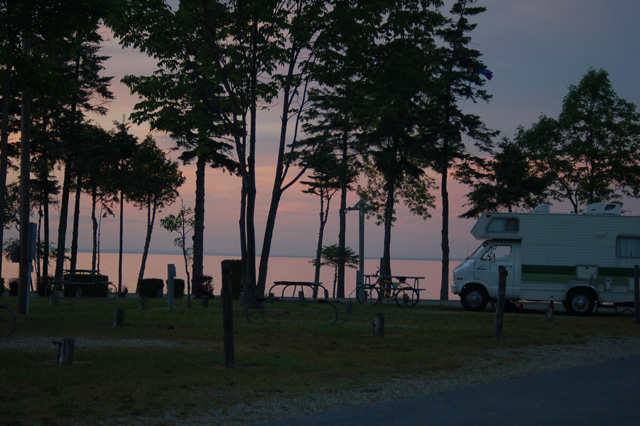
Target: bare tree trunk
[151,216]
[73,263]
[342,233]
[198,228]
[25,201]
[4,132]
[444,283]
[120,242]
[388,223]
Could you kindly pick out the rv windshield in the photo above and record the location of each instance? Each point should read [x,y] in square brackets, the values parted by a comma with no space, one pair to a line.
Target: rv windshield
[479,250]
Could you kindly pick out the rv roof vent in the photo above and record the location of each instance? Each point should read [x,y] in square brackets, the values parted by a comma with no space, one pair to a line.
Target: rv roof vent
[604,208]
[542,209]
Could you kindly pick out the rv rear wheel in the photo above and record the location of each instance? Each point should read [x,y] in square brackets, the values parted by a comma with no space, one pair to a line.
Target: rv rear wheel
[474,298]
[580,302]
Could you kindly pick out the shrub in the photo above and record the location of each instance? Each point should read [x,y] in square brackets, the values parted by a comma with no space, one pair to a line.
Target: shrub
[178,288]
[202,286]
[93,288]
[149,287]
[1,286]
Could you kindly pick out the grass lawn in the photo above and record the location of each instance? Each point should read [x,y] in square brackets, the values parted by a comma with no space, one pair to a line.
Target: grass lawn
[163,359]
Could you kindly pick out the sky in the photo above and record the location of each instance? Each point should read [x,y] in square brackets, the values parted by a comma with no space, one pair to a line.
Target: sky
[536,50]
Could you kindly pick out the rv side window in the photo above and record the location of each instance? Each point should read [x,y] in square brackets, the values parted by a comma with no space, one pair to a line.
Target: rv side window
[499,253]
[628,247]
[503,224]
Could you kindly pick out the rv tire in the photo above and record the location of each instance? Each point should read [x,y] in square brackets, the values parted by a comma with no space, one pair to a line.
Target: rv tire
[580,301]
[474,298]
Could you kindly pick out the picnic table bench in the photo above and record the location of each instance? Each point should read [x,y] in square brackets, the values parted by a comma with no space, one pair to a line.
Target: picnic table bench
[75,280]
[294,291]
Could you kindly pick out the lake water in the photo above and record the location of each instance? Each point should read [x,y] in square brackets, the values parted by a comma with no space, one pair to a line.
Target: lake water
[280,269]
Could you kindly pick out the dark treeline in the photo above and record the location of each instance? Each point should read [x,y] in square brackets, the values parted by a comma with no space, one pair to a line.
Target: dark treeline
[370,97]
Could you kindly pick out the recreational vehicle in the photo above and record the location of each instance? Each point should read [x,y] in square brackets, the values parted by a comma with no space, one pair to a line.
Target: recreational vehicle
[578,259]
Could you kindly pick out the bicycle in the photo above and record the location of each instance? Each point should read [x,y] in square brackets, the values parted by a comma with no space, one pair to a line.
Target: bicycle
[399,291]
[8,321]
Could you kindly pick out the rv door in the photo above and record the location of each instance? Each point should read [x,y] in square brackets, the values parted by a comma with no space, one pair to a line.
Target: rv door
[487,264]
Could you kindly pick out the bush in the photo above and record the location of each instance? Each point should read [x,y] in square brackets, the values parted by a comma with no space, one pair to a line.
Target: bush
[13,286]
[1,286]
[202,286]
[178,288]
[94,288]
[149,287]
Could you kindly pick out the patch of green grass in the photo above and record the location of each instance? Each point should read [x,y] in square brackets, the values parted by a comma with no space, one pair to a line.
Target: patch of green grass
[180,363]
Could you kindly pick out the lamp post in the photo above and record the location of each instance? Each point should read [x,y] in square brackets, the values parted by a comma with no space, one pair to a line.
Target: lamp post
[362,206]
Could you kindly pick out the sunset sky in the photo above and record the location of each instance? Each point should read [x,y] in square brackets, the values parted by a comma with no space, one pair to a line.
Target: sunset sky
[536,49]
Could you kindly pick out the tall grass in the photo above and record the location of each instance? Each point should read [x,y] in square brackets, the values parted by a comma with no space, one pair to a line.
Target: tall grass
[163,359]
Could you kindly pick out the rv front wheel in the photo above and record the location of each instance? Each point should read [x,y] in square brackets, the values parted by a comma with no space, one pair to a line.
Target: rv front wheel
[580,302]
[474,298]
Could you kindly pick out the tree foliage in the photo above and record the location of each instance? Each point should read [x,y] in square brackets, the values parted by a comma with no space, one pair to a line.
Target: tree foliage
[590,151]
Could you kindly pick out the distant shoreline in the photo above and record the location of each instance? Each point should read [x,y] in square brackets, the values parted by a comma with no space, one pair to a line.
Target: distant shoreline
[174,253]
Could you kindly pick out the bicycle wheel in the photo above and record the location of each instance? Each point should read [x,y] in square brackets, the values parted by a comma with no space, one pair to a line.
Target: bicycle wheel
[368,295]
[407,297]
[7,321]
[112,291]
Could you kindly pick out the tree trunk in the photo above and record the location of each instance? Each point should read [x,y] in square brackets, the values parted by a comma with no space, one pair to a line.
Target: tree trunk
[151,216]
[45,260]
[62,224]
[120,242]
[94,222]
[4,132]
[25,202]
[342,233]
[198,229]
[75,230]
[444,284]
[385,268]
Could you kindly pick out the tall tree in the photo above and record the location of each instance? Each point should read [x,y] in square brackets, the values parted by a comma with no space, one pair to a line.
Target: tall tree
[461,79]
[243,46]
[156,181]
[504,179]
[96,157]
[323,181]
[89,91]
[120,177]
[399,97]
[183,98]
[9,46]
[590,151]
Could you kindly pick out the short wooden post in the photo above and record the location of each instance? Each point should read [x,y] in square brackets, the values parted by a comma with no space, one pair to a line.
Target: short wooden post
[205,301]
[636,294]
[65,350]
[502,288]
[144,303]
[301,296]
[378,325]
[227,315]
[550,308]
[78,291]
[118,321]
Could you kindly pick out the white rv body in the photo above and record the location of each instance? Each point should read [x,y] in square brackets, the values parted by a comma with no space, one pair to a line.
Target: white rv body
[578,259]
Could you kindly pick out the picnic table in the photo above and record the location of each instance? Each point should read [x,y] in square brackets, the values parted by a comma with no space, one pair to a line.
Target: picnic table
[75,280]
[294,291]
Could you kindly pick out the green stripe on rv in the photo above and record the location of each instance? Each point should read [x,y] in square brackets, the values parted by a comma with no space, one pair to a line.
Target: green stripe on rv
[555,273]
